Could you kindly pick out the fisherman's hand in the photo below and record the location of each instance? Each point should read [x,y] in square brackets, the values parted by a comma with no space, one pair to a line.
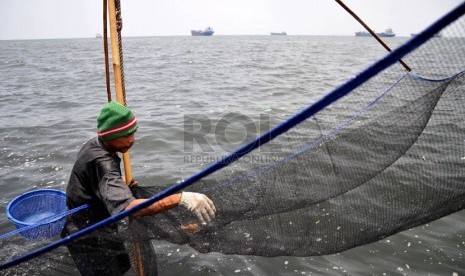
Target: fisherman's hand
[200,205]
[133,183]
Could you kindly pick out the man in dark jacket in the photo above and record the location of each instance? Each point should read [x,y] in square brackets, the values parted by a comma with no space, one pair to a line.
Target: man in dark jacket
[96,179]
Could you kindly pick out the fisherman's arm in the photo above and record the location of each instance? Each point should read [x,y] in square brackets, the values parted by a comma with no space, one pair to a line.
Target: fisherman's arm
[157,207]
[197,203]
[117,197]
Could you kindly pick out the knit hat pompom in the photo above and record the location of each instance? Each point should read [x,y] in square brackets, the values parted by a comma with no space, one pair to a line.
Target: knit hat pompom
[114,121]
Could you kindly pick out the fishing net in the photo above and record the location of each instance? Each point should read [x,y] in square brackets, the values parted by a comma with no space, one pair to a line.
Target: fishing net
[385,158]
[337,191]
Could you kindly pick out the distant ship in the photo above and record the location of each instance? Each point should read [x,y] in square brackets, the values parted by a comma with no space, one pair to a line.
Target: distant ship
[281,33]
[207,32]
[98,35]
[387,33]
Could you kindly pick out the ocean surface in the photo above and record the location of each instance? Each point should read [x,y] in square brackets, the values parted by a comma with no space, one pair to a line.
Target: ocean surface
[52,90]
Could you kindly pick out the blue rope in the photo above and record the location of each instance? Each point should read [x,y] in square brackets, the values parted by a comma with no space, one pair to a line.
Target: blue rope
[333,96]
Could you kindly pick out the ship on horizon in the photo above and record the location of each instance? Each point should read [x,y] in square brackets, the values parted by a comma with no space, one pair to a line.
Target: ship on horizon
[207,32]
[387,33]
[281,33]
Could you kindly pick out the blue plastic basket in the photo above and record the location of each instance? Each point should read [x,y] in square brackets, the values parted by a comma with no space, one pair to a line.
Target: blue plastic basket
[42,208]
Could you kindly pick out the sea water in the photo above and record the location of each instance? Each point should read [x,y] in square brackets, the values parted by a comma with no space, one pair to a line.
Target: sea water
[52,90]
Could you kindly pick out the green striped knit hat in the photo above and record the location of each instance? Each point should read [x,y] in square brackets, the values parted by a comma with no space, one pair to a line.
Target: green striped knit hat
[114,121]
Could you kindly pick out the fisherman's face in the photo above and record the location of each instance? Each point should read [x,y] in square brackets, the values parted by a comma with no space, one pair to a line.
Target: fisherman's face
[121,144]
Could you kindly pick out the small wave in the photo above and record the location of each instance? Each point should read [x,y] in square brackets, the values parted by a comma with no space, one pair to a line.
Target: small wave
[12,63]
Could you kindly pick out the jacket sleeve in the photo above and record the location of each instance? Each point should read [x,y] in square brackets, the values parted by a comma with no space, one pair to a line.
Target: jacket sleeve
[112,190]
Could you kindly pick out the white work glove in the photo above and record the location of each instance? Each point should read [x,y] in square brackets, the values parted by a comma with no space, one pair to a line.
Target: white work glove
[200,205]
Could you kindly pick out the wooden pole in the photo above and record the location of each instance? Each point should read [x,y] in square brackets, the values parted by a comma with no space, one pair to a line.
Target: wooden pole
[370,31]
[120,98]
[118,76]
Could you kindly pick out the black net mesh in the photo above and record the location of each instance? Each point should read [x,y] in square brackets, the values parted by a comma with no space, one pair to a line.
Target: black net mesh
[338,192]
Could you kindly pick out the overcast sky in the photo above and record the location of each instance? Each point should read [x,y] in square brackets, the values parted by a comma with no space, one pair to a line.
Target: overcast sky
[40,19]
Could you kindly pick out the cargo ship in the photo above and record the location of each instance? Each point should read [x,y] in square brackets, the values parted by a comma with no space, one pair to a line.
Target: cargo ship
[387,33]
[207,32]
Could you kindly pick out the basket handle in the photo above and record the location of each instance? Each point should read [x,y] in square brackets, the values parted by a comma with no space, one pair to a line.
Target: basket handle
[45,221]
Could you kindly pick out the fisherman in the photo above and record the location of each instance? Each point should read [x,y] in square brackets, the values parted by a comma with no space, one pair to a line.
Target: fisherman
[96,179]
